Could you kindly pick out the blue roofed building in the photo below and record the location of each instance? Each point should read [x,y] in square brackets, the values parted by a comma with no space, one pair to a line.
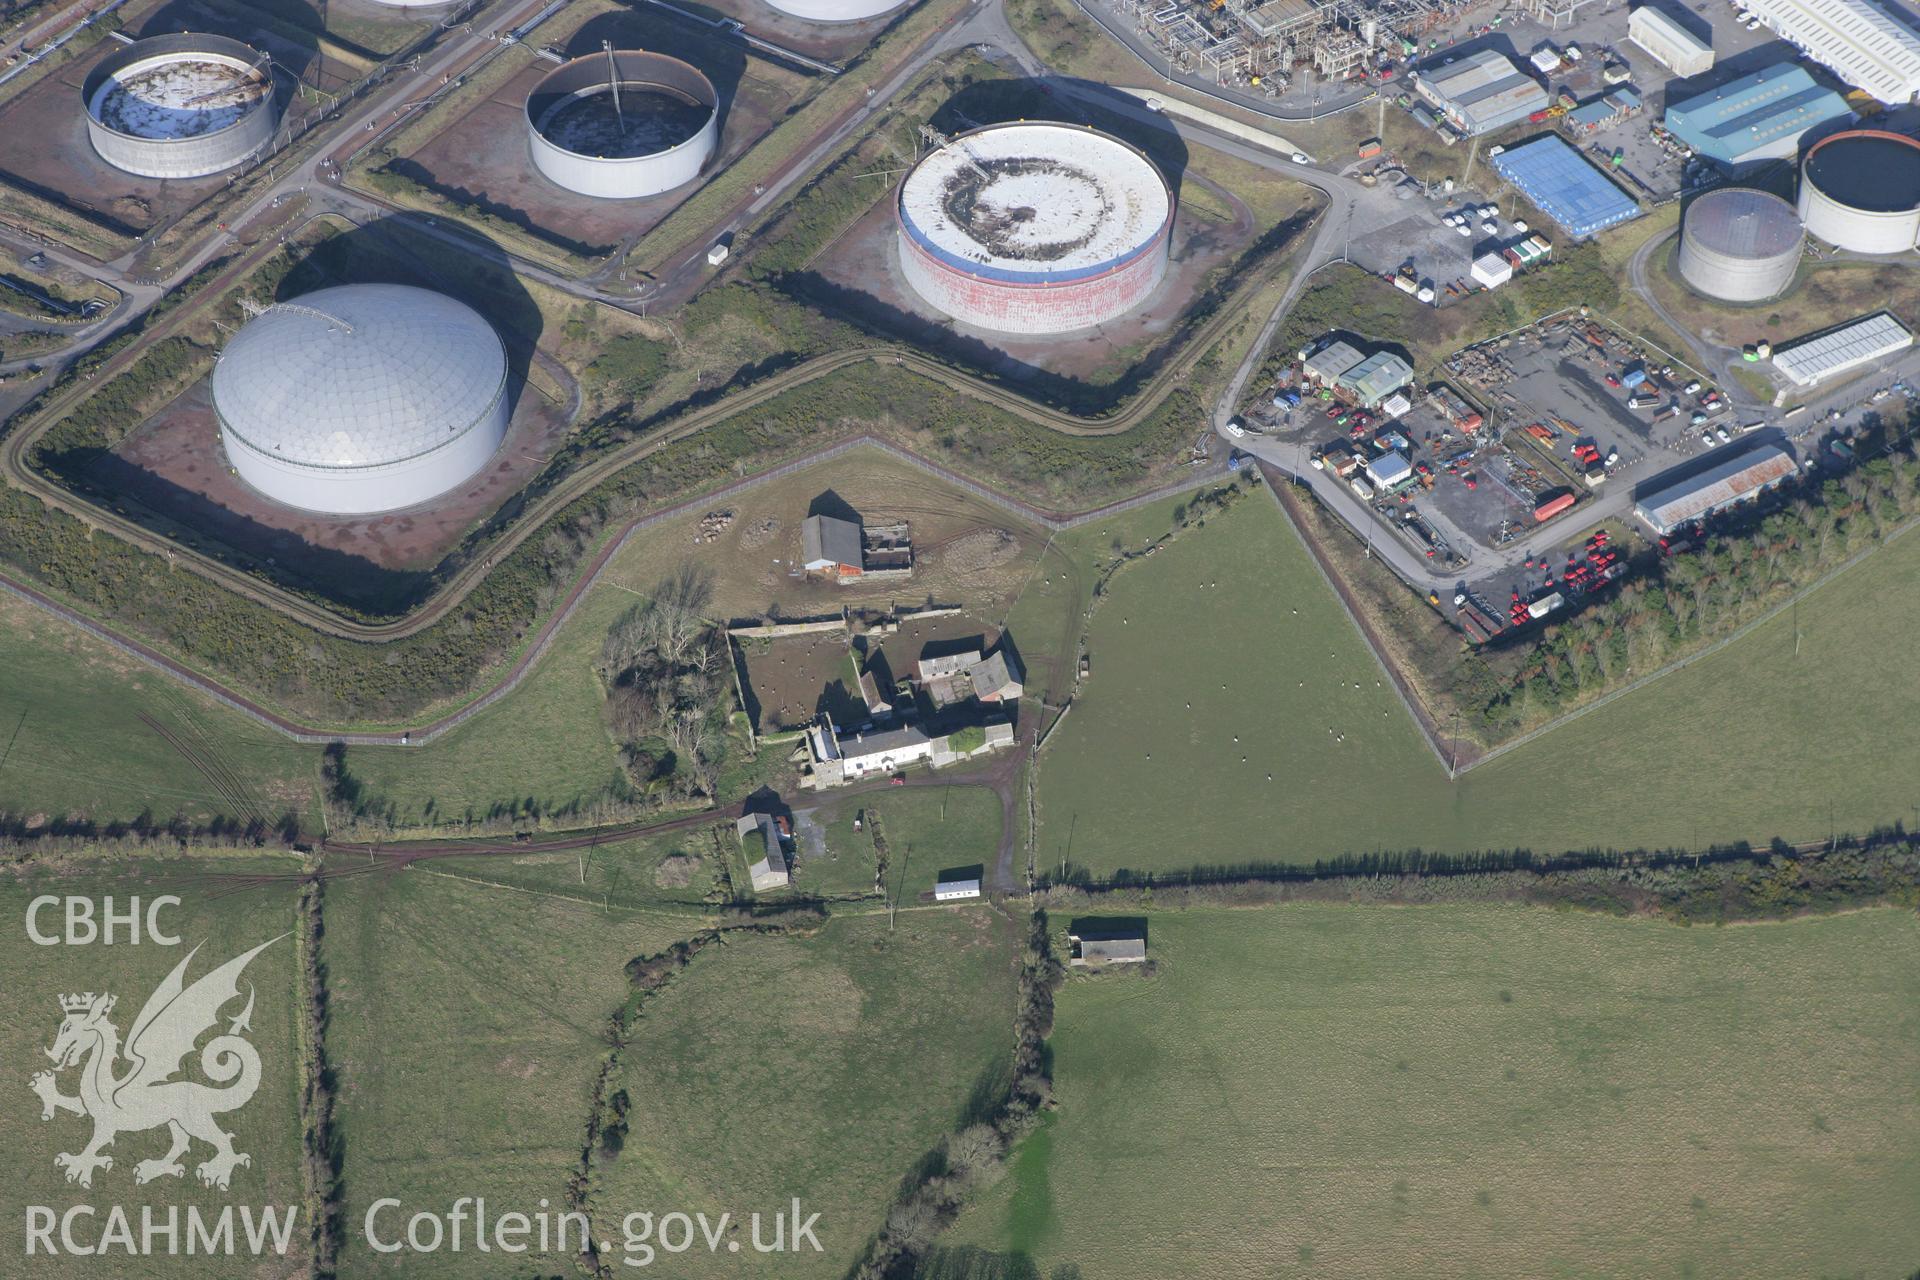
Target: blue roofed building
[1562,185]
[1762,116]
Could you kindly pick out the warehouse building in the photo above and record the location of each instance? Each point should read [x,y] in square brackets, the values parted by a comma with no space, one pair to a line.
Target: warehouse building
[1672,45]
[1730,483]
[1375,378]
[1564,186]
[1861,42]
[1332,360]
[1762,116]
[1481,92]
[1866,341]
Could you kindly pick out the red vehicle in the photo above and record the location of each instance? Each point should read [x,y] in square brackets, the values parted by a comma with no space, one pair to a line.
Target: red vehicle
[1334,411]
[1612,381]
[897,780]
[1471,482]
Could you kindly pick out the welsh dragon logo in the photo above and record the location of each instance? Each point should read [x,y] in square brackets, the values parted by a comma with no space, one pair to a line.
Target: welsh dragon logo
[144,1093]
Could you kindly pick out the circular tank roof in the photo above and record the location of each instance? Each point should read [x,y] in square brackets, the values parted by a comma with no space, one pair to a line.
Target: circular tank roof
[179,87]
[363,375]
[1035,201]
[1743,223]
[1868,169]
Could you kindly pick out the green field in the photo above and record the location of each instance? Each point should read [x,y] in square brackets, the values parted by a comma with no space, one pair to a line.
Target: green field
[1751,743]
[933,829]
[72,741]
[267,1127]
[821,1068]
[1479,1091]
[469,1022]
[545,743]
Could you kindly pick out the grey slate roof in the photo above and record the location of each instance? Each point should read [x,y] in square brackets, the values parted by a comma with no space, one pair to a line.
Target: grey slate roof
[825,540]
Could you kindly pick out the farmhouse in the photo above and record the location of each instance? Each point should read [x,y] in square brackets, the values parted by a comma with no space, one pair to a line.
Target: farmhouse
[835,759]
[765,847]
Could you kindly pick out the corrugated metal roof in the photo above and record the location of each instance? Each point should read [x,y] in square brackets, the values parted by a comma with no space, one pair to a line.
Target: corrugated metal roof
[1485,88]
[1564,186]
[1717,488]
[1837,350]
[1661,27]
[1377,377]
[1597,112]
[1756,115]
[1866,45]
[1332,361]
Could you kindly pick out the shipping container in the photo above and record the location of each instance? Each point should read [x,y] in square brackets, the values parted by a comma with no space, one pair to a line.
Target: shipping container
[1551,507]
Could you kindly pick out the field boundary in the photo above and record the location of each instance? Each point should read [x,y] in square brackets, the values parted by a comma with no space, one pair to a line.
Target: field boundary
[300,731]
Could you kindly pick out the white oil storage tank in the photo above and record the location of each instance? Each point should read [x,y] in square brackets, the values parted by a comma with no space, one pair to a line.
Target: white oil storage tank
[623,124]
[1034,227]
[1740,245]
[362,398]
[836,10]
[180,106]
[1860,190]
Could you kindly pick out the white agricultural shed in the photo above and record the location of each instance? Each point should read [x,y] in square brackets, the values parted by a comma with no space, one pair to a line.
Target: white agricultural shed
[1861,42]
[1865,341]
[362,398]
[957,889]
[1492,270]
[1672,45]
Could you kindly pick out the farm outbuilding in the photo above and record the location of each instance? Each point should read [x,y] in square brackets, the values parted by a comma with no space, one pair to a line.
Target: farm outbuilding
[766,856]
[832,546]
[1565,187]
[957,888]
